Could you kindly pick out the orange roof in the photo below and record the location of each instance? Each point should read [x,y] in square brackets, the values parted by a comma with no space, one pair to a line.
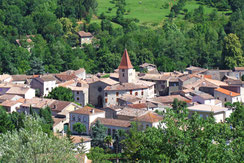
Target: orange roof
[227,92]
[149,117]
[208,76]
[125,61]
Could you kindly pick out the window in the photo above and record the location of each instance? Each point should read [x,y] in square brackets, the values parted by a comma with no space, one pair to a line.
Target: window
[84,119]
[123,70]
[99,89]
[109,131]
[142,93]
[73,118]
[225,99]
[117,99]
[77,98]
[136,93]
[130,92]
[106,94]
[117,93]
[106,100]
[77,93]
[79,119]
[147,125]
[201,115]
[123,75]
[46,89]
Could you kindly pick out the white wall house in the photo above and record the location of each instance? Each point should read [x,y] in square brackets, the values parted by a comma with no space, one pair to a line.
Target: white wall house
[86,116]
[219,113]
[44,84]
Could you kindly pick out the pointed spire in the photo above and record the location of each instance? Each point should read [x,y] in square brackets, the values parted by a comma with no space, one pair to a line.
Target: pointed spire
[125,61]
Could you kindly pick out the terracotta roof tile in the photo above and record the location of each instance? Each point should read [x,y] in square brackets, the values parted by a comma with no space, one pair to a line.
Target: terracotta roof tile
[84,34]
[9,103]
[139,84]
[169,99]
[227,92]
[65,77]
[87,110]
[114,122]
[58,106]
[125,61]
[239,68]
[130,98]
[149,117]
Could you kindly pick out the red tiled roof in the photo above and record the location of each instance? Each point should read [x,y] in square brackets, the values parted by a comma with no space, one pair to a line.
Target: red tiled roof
[114,122]
[84,34]
[64,77]
[149,117]
[239,68]
[87,110]
[227,92]
[125,61]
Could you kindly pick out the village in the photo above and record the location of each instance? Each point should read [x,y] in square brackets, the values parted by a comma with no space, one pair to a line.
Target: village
[119,98]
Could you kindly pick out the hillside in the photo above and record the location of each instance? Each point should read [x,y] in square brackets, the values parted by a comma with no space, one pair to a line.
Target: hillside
[147,11]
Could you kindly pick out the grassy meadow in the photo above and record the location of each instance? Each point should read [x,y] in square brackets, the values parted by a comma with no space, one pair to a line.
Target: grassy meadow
[147,11]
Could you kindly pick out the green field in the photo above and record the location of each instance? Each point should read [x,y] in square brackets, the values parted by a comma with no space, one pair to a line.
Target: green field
[146,11]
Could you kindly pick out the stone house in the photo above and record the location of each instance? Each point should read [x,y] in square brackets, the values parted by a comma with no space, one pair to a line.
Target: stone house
[129,99]
[111,111]
[44,84]
[10,106]
[219,113]
[85,37]
[5,78]
[114,125]
[9,97]
[194,70]
[80,73]
[225,95]
[25,92]
[149,119]
[86,115]
[96,91]
[240,71]
[79,89]
[150,68]
[207,99]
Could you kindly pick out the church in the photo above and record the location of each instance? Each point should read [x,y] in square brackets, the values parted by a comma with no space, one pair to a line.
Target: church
[128,84]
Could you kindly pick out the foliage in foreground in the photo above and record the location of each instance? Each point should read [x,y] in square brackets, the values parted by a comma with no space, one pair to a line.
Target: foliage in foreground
[31,144]
[182,140]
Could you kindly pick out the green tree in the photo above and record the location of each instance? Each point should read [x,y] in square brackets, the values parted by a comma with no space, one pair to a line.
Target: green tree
[31,144]
[61,93]
[36,67]
[79,127]
[5,121]
[46,114]
[98,134]
[232,54]
[108,140]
